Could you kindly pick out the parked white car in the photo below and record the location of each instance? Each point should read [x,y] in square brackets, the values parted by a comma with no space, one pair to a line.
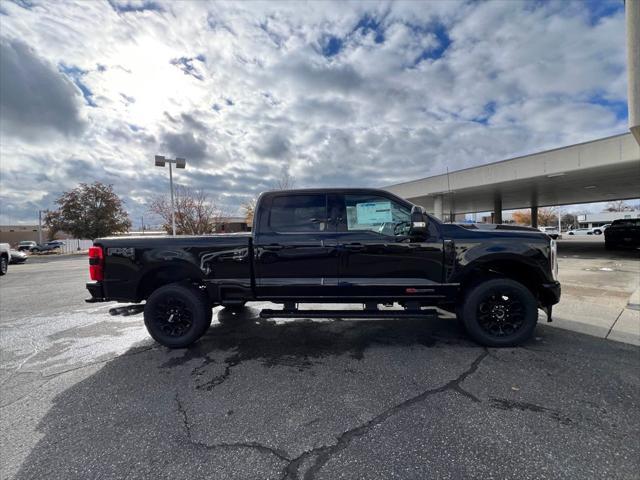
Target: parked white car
[600,230]
[580,231]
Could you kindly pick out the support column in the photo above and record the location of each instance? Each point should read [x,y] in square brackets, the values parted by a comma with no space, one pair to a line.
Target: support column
[632,14]
[497,209]
[437,207]
[534,216]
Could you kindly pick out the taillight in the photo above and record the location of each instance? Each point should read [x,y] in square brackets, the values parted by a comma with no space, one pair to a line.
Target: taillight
[554,259]
[96,263]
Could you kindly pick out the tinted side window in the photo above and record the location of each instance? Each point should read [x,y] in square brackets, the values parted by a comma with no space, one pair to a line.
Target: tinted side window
[298,213]
[627,222]
[377,214]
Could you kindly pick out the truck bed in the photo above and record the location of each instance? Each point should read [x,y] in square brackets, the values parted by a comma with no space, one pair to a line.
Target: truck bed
[139,263]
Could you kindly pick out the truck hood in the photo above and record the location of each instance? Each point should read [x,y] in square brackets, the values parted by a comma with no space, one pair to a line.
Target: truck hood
[497,226]
[488,230]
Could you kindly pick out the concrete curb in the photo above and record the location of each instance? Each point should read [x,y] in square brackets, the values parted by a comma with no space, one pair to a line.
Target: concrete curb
[608,322]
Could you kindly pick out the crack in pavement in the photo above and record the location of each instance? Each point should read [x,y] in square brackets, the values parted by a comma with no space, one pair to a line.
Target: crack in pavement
[346,437]
[280,454]
[230,362]
[325,452]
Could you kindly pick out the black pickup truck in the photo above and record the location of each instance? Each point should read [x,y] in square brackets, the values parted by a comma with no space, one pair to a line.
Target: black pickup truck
[335,246]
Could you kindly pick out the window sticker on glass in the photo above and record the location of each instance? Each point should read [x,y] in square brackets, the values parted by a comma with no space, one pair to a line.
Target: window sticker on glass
[373,213]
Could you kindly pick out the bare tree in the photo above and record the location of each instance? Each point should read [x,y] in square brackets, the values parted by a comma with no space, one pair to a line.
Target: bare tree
[249,208]
[285,181]
[196,212]
[617,206]
[570,220]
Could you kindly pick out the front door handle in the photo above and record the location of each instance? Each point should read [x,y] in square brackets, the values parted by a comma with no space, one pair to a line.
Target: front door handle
[354,247]
[273,247]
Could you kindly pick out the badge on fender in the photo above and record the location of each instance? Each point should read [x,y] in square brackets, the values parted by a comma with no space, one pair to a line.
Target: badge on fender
[128,252]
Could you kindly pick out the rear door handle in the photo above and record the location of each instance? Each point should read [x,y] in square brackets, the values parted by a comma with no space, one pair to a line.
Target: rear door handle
[354,246]
[273,247]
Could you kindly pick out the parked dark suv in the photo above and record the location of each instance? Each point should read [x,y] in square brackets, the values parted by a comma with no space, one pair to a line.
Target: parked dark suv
[624,232]
[49,246]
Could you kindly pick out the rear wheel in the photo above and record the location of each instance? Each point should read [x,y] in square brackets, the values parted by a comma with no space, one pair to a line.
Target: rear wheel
[500,313]
[4,265]
[177,315]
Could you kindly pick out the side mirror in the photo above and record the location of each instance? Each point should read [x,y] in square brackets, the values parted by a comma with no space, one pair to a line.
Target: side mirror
[419,221]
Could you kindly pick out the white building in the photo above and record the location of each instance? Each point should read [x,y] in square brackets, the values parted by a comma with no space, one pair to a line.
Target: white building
[590,220]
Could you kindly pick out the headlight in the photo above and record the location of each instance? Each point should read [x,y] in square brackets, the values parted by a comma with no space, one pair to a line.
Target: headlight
[554,259]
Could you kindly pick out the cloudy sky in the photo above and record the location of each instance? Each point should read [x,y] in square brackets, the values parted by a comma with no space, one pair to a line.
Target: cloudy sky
[338,94]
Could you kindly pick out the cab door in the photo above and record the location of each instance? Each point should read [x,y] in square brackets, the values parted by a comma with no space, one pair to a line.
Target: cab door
[378,256]
[295,247]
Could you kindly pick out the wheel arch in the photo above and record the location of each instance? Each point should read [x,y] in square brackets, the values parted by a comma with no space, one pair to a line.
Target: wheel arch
[522,272]
[165,275]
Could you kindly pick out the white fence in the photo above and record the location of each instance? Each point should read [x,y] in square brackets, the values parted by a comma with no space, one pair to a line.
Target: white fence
[73,245]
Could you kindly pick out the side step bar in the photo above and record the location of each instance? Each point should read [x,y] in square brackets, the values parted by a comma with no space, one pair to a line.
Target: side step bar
[427,313]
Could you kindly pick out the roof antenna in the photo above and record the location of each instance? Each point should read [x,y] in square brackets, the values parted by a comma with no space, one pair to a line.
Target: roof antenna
[450,198]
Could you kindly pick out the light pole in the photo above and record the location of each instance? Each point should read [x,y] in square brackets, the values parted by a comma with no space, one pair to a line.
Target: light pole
[180,163]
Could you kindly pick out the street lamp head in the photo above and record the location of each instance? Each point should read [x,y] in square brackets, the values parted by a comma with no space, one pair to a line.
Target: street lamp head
[180,162]
[160,161]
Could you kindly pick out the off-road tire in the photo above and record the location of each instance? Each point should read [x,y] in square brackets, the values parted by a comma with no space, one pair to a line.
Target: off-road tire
[479,296]
[177,315]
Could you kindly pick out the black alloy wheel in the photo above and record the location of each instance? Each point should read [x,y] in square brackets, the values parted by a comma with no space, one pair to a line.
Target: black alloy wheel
[173,316]
[177,315]
[500,312]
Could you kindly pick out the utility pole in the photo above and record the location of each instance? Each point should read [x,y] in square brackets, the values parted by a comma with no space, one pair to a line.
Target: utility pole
[559,220]
[180,163]
[39,227]
[173,208]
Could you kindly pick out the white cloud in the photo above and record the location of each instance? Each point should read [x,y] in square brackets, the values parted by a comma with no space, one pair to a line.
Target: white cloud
[359,94]
[36,101]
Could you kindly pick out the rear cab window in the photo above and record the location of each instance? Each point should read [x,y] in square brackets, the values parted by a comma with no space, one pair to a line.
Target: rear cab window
[298,213]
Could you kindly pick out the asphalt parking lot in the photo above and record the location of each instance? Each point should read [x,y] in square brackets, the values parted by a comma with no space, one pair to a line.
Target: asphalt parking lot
[86,395]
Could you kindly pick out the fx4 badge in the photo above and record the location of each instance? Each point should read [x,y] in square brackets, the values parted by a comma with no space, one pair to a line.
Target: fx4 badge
[122,252]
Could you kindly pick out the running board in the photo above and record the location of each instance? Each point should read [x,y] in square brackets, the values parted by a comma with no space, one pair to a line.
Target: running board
[428,313]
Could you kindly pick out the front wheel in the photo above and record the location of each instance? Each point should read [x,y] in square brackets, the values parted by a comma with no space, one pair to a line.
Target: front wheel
[177,315]
[597,232]
[500,313]
[4,265]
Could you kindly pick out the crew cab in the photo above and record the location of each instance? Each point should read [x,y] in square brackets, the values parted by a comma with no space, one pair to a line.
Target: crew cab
[360,246]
